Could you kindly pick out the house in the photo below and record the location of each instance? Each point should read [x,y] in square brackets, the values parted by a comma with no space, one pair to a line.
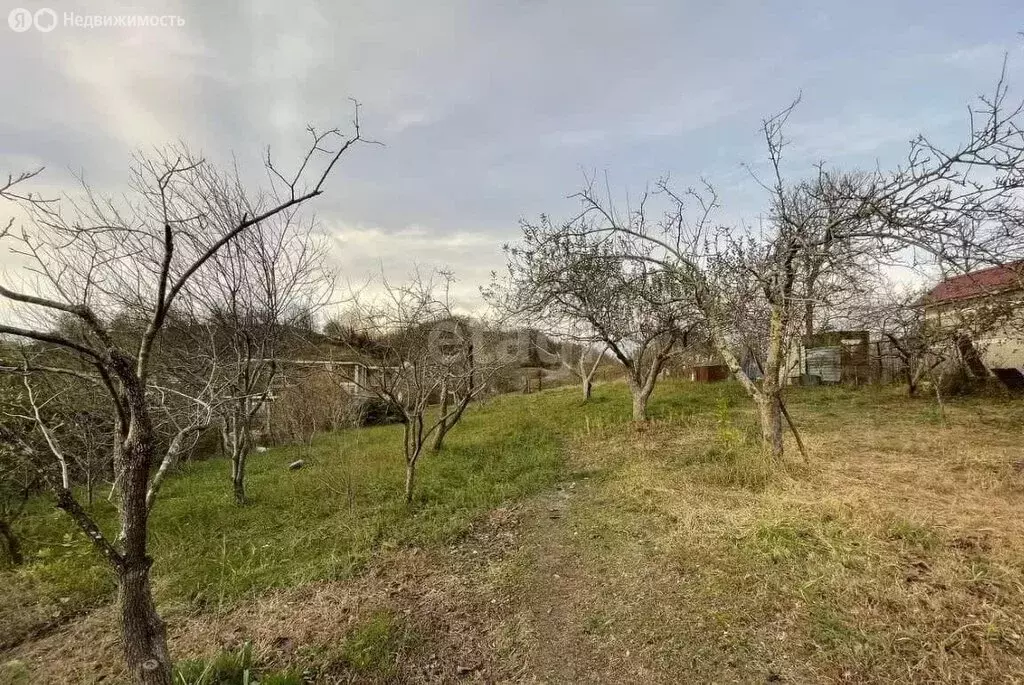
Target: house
[352,376]
[984,312]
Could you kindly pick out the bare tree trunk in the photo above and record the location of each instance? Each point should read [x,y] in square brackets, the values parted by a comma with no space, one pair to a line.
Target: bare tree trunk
[410,480]
[239,440]
[143,632]
[442,431]
[769,408]
[640,394]
[439,436]
[768,397]
[238,478]
[442,428]
[450,422]
[169,461]
[413,446]
[268,424]
[641,386]
[587,373]
[770,402]
[639,407]
[911,383]
[239,457]
[11,543]
[937,383]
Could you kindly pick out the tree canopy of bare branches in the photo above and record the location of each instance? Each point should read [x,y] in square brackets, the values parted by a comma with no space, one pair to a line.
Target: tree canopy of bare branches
[957,206]
[103,262]
[421,358]
[572,281]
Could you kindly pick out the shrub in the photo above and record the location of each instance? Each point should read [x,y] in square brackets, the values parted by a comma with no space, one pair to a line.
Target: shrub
[311,403]
[375,411]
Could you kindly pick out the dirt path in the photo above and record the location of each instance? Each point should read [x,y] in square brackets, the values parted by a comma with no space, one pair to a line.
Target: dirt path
[511,602]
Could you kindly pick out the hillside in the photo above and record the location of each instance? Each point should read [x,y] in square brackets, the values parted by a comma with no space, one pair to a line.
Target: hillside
[554,541]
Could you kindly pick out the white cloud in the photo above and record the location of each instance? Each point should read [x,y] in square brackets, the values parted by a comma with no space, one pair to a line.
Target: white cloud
[363,253]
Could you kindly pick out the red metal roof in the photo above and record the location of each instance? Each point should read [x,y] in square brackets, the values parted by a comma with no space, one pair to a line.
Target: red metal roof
[978,283]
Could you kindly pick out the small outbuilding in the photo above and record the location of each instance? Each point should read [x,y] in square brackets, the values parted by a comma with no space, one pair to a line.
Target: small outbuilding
[831,357]
[706,373]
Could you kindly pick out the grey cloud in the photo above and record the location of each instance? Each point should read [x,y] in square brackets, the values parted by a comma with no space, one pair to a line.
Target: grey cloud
[492,110]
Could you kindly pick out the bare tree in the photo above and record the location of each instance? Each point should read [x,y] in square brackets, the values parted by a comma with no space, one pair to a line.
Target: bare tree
[566,278]
[895,315]
[18,480]
[18,471]
[578,356]
[418,355]
[96,259]
[256,295]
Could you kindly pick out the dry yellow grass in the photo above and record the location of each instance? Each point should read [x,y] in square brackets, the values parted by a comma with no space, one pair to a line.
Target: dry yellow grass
[895,556]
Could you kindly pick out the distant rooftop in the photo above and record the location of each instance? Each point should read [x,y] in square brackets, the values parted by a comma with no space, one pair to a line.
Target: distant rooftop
[978,283]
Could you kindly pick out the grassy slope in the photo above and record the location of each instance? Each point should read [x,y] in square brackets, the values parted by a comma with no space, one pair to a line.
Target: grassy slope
[321,522]
[898,555]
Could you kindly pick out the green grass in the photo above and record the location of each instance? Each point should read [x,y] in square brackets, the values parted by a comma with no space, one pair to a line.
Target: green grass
[913,535]
[324,521]
[373,647]
[236,667]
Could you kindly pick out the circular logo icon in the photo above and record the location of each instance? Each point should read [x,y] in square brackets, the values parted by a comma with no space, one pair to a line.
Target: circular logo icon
[20,19]
[45,19]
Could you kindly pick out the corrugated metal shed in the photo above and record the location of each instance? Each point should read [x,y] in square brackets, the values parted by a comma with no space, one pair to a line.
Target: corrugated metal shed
[825,363]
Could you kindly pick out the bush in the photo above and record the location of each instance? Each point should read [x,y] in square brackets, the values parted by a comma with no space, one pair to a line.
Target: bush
[311,403]
[376,411]
[733,456]
[957,383]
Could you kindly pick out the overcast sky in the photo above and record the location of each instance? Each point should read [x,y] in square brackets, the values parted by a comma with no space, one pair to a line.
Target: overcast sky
[492,110]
